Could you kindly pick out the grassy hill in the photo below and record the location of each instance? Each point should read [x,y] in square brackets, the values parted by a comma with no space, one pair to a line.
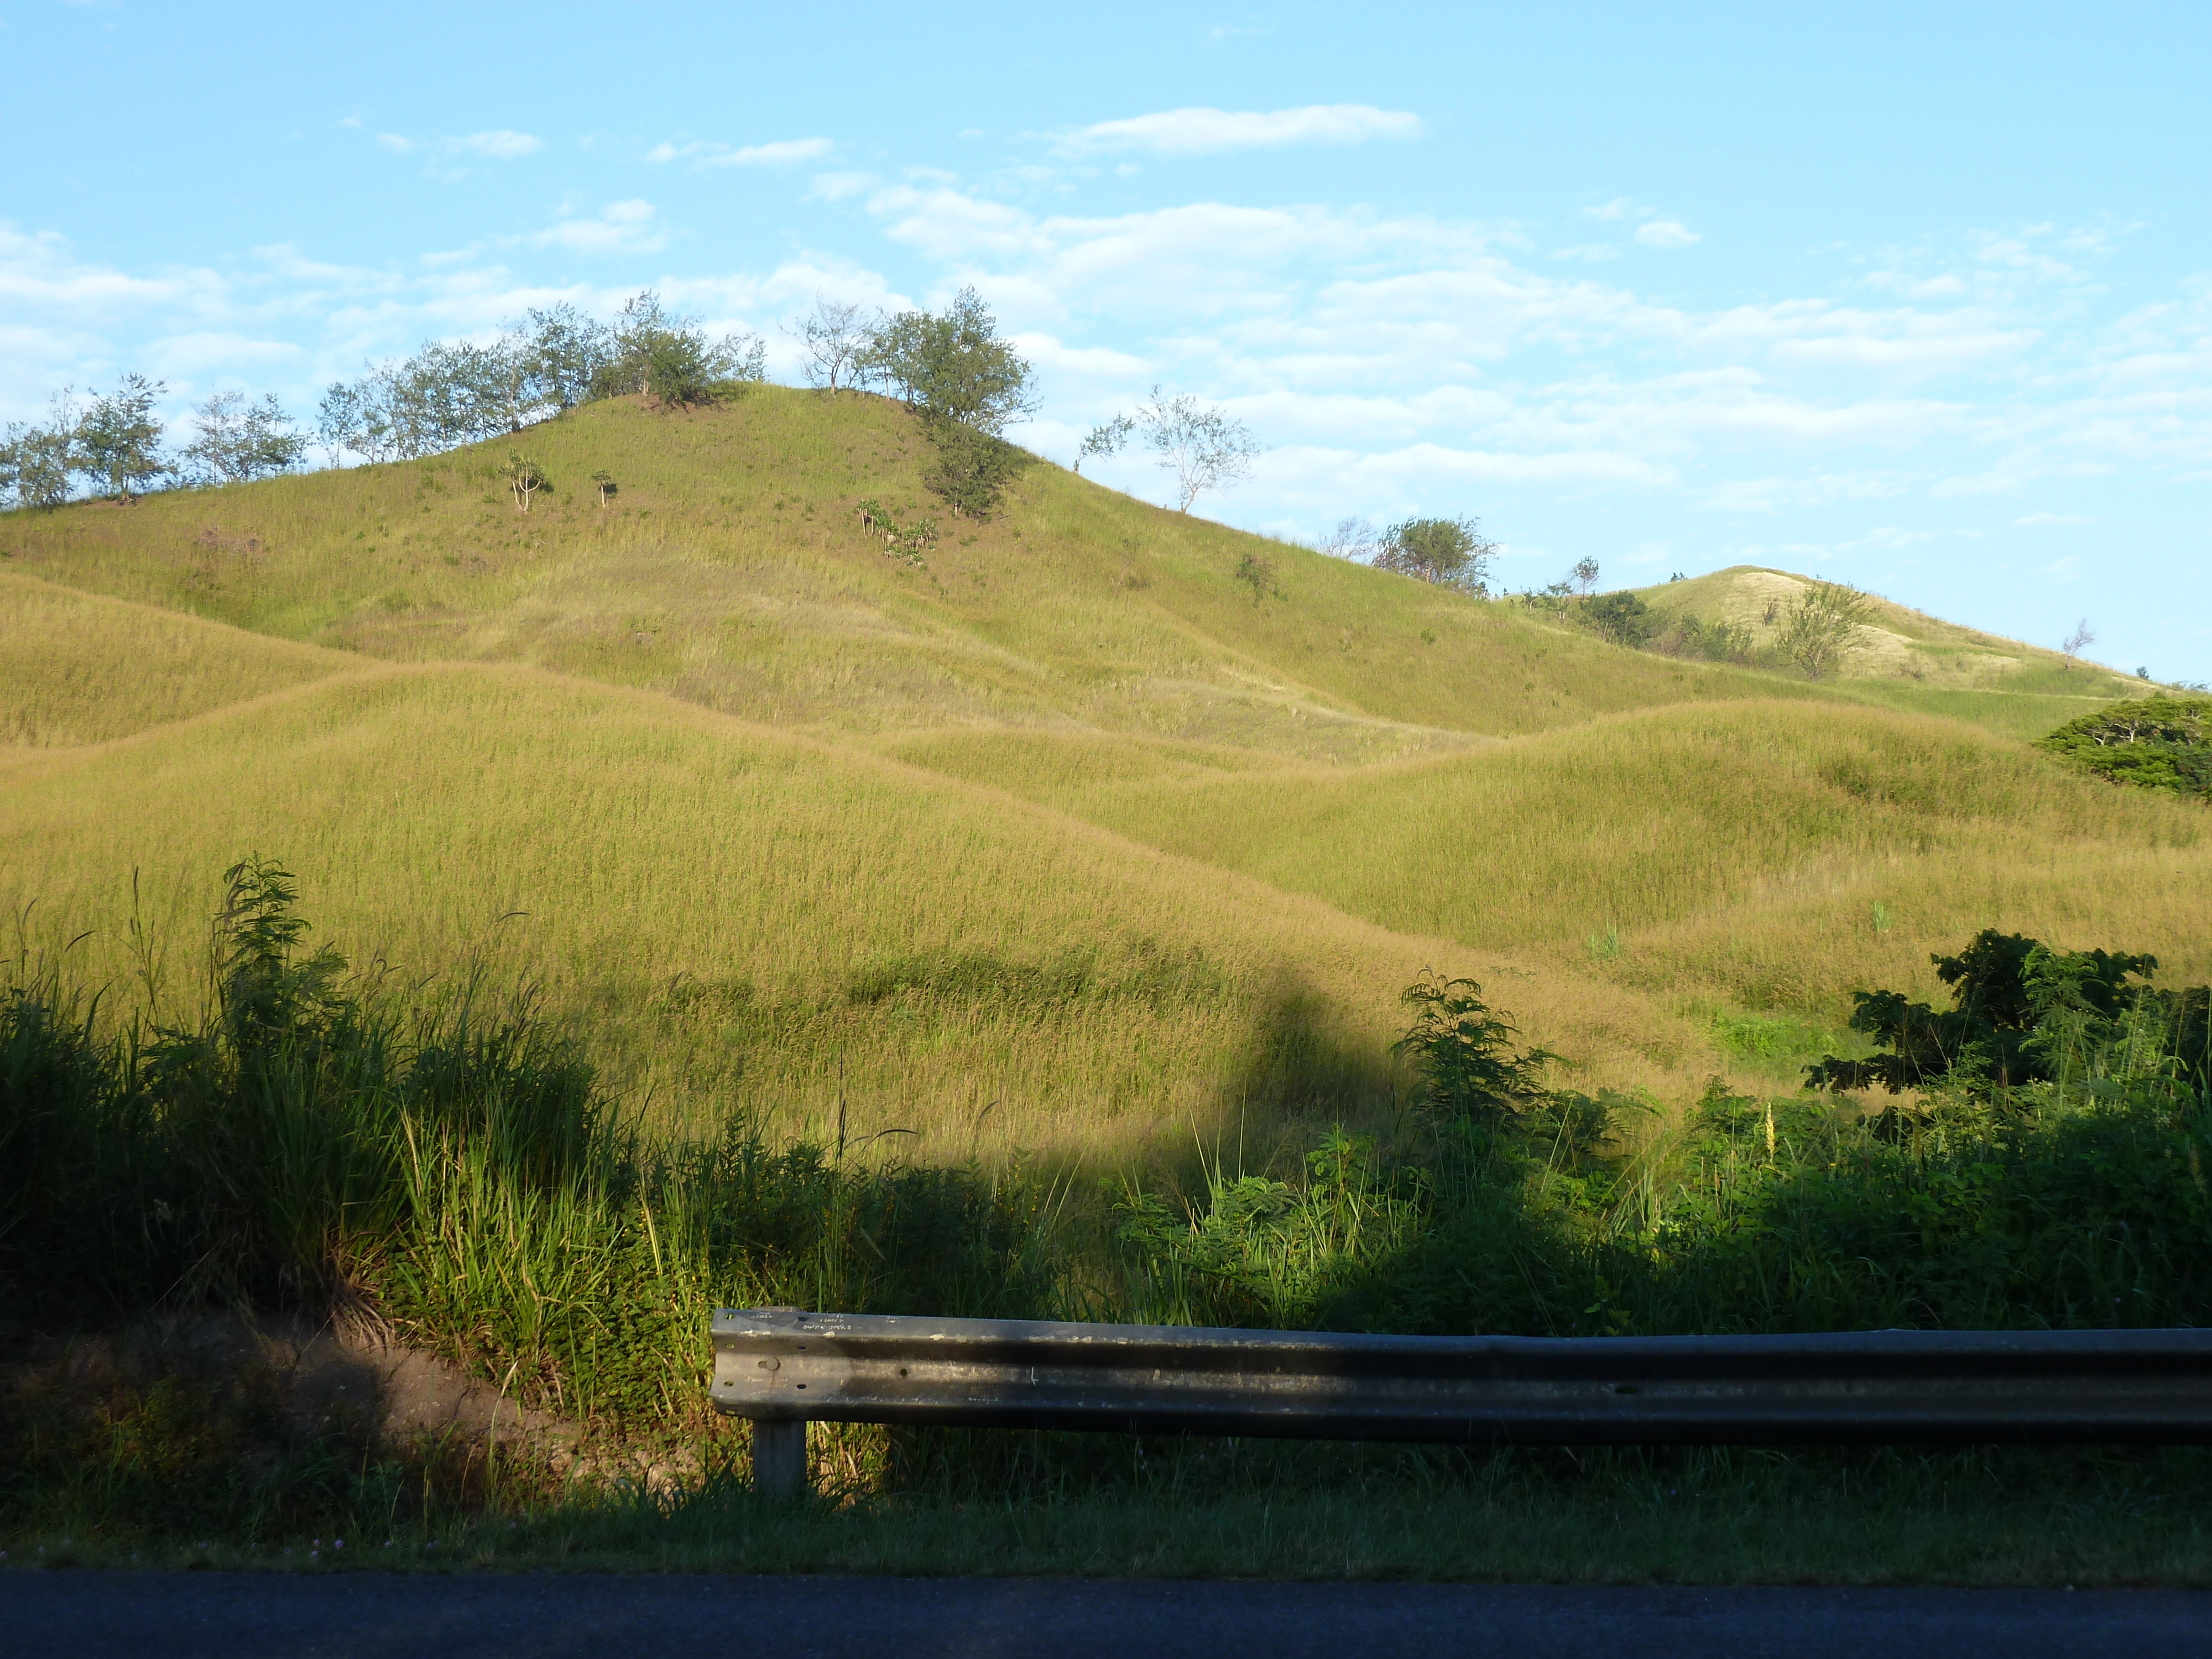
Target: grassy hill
[1906,658]
[1065,837]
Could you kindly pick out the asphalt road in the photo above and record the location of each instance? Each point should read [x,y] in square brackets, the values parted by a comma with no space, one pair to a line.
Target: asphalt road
[184,1615]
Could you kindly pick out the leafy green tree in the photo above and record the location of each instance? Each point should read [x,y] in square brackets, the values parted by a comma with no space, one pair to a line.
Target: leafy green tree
[118,441]
[1820,626]
[952,366]
[2016,1002]
[1463,1051]
[2153,743]
[1585,575]
[1205,448]
[36,461]
[669,358]
[239,441]
[564,351]
[968,468]
[1621,617]
[1451,552]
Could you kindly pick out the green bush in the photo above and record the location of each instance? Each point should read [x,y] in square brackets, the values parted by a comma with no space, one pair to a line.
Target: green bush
[2151,743]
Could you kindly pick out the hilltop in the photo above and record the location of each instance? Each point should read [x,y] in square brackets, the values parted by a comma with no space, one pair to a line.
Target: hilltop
[1058,832]
[1906,659]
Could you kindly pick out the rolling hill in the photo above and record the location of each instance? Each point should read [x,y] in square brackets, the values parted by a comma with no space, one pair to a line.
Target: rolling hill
[1061,837]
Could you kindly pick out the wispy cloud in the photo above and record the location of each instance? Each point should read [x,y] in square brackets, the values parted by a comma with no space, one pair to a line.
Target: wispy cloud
[1212,131]
[708,153]
[618,228]
[501,146]
[2034,521]
[1665,233]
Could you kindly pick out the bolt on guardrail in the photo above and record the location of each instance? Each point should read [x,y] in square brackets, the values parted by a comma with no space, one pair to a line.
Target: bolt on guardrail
[784,1368]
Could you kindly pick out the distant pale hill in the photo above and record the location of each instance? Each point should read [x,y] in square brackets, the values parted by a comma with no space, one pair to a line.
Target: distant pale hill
[1096,828]
[1907,659]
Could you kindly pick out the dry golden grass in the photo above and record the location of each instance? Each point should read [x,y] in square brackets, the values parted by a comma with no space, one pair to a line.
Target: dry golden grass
[731,570]
[75,667]
[1923,655]
[1681,838]
[737,916]
[1064,841]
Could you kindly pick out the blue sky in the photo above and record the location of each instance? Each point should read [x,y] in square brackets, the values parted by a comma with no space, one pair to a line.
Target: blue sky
[1915,297]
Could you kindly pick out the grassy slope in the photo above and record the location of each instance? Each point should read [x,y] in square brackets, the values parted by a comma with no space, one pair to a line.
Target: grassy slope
[1429,763]
[75,668]
[745,915]
[731,571]
[1909,660]
[1704,836]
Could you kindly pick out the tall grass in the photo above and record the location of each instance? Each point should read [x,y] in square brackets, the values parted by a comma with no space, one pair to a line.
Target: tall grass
[441,1162]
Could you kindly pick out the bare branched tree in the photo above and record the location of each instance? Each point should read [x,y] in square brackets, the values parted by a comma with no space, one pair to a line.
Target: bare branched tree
[2082,635]
[1205,448]
[1105,439]
[834,334]
[1352,538]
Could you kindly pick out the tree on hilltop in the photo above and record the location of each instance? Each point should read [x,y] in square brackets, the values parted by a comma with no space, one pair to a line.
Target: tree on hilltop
[36,461]
[240,441]
[119,439]
[669,357]
[1820,627]
[1205,448]
[952,366]
[967,385]
[1449,552]
[834,336]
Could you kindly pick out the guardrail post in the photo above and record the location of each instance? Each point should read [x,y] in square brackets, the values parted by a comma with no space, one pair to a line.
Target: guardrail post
[778,1456]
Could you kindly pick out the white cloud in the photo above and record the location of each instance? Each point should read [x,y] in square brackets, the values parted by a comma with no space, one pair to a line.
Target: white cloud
[1212,131]
[782,152]
[395,143]
[619,227]
[501,146]
[1665,233]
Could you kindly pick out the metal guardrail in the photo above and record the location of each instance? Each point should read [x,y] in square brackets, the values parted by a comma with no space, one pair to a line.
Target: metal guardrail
[783,1368]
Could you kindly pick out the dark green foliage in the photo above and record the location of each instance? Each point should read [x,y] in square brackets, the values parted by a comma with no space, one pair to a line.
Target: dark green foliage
[239,441]
[2152,742]
[2018,1008]
[1690,636]
[1621,617]
[1451,552]
[952,366]
[969,469]
[35,462]
[1464,1053]
[1257,572]
[967,385]
[118,440]
[669,358]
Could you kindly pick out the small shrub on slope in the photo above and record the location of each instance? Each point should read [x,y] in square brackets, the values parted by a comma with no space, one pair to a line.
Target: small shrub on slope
[2151,743]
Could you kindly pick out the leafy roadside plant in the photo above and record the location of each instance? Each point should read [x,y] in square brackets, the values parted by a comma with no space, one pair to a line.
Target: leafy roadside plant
[1464,1051]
